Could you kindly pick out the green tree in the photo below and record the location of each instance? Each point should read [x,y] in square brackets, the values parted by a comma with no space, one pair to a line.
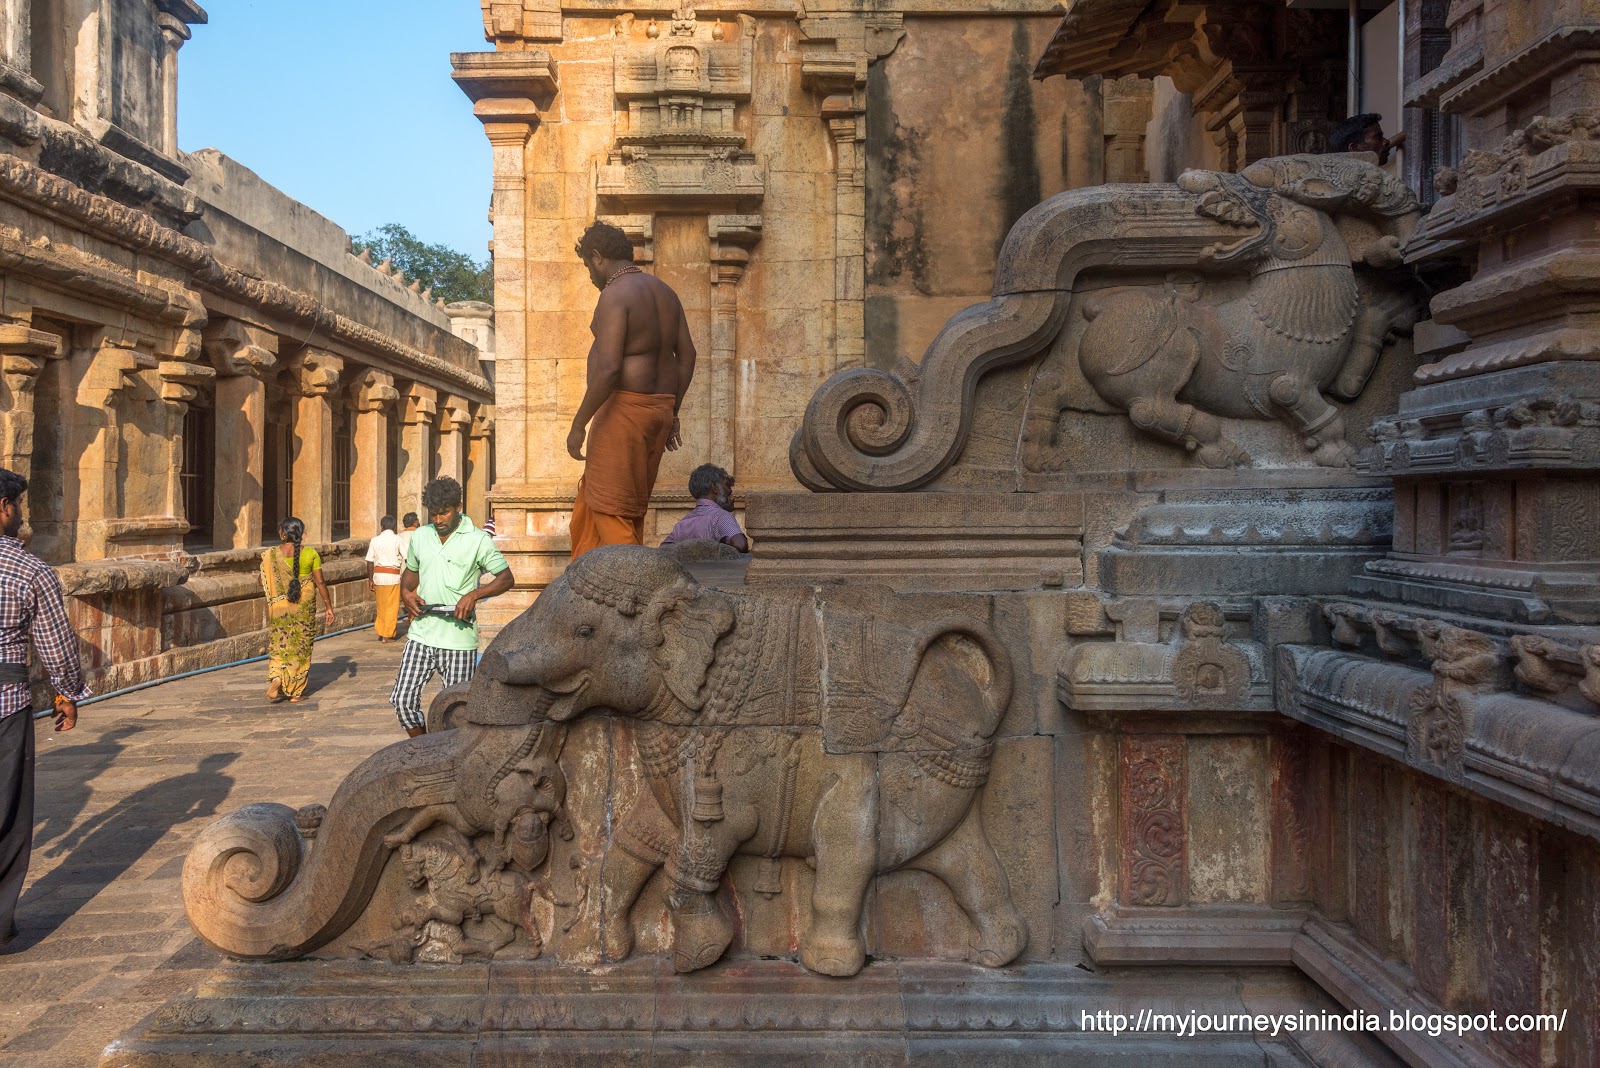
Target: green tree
[450,274]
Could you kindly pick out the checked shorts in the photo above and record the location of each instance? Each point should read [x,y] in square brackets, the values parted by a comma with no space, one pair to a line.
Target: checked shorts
[418,664]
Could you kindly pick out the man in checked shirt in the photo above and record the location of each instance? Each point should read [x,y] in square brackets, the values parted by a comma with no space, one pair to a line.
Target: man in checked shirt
[30,610]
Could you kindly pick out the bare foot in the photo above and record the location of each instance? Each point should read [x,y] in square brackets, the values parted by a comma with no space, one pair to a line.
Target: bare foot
[274,689]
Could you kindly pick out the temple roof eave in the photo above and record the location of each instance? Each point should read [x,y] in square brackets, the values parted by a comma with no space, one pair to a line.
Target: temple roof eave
[1087,40]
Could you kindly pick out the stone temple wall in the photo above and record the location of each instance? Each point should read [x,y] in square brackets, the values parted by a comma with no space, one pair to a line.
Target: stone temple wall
[811,182]
[1209,619]
[190,355]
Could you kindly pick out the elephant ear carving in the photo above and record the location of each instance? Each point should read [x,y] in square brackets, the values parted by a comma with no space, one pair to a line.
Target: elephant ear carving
[685,621]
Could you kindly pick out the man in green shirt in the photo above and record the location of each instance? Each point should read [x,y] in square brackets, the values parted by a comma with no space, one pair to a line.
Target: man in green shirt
[441,587]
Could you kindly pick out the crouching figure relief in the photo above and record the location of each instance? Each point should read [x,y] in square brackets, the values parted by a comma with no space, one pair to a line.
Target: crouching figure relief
[834,727]
[1304,330]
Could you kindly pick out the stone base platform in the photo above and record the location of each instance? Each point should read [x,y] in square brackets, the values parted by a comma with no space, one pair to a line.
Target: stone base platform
[335,1014]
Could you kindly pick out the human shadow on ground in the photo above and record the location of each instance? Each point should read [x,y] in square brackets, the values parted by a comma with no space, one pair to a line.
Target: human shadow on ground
[323,675]
[105,846]
[65,775]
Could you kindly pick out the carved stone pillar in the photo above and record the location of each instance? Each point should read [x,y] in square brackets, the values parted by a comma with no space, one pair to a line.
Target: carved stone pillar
[180,381]
[848,125]
[732,237]
[454,419]
[95,438]
[316,384]
[508,90]
[509,142]
[372,400]
[480,446]
[837,46]
[419,408]
[23,352]
[1126,102]
[173,34]
[242,355]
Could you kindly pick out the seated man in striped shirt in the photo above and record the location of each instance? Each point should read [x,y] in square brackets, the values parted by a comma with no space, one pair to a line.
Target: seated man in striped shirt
[31,611]
[712,518]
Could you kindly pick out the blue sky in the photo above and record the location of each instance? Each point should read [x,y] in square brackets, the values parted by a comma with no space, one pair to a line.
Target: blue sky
[348,106]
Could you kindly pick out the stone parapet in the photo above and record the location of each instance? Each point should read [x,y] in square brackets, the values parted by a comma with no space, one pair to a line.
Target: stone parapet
[141,620]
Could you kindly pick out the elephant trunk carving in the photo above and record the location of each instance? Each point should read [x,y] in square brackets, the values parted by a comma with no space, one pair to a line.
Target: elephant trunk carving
[255,888]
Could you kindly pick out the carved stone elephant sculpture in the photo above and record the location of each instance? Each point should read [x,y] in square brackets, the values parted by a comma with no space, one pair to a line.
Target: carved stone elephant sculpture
[771,722]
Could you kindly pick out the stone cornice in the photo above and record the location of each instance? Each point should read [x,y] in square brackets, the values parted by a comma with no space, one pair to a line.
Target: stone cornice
[1539,61]
[27,184]
[1455,68]
[1532,755]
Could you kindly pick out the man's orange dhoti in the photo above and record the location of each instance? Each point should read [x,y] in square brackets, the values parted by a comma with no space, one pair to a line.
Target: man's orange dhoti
[626,439]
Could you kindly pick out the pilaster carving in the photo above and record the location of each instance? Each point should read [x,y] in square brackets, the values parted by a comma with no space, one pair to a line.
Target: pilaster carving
[483,422]
[641,230]
[112,373]
[1462,660]
[454,415]
[1198,667]
[1153,810]
[372,400]
[836,47]
[521,20]
[732,238]
[373,391]
[180,381]
[23,354]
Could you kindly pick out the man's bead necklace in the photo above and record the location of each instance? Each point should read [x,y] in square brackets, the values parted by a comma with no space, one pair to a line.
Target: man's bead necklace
[630,269]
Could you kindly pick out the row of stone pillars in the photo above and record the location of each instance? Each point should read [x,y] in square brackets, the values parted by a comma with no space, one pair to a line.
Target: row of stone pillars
[438,431]
[432,425]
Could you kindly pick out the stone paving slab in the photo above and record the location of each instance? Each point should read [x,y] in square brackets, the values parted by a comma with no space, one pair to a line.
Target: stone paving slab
[103,936]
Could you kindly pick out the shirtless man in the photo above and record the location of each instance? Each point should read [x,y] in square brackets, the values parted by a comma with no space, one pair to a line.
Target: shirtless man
[640,366]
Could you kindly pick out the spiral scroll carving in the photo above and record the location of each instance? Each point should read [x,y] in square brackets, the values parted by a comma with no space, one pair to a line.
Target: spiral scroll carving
[254,886]
[867,429]
[254,853]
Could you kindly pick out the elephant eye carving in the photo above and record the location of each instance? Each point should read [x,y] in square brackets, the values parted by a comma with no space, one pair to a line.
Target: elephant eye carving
[586,631]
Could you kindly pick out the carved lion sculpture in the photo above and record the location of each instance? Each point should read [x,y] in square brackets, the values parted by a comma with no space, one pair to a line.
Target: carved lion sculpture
[750,747]
[1174,361]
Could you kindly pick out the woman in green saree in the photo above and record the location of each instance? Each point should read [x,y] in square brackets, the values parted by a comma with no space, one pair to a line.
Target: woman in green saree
[291,616]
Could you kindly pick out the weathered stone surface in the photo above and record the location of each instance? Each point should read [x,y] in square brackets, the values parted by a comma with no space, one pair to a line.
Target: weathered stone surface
[773,166]
[639,1014]
[832,725]
[920,541]
[874,430]
[1198,666]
